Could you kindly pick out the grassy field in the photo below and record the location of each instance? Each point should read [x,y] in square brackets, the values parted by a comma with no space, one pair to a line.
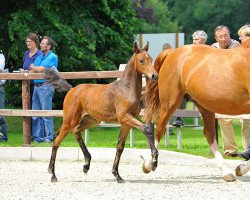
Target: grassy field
[193,140]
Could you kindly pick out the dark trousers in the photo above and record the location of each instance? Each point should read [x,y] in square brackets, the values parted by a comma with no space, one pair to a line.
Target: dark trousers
[3,132]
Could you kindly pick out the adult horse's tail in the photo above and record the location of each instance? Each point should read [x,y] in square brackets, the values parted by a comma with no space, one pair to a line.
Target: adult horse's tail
[152,100]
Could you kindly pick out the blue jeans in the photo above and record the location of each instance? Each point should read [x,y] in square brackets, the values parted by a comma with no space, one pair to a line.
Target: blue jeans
[42,127]
[3,132]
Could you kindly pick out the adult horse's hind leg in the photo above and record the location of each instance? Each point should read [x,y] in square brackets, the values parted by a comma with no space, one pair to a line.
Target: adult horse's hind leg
[243,168]
[119,149]
[61,134]
[210,134]
[168,106]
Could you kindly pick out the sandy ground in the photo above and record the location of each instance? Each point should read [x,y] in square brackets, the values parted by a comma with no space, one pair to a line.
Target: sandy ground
[30,180]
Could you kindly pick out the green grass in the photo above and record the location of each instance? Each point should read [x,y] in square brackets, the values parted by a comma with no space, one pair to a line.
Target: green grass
[193,140]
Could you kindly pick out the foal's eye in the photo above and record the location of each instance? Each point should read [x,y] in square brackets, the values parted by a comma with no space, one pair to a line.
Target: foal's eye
[141,61]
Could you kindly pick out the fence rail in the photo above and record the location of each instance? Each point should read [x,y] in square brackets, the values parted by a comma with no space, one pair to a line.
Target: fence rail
[26,113]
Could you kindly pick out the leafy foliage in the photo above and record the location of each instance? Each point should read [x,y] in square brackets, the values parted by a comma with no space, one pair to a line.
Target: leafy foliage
[98,35]
[208,14]
[157,17]
[90,35]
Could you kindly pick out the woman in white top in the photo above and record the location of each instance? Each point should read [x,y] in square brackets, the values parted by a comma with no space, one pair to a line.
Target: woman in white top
[3,135]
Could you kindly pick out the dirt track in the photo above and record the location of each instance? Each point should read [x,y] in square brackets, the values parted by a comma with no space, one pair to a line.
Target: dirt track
[30,180]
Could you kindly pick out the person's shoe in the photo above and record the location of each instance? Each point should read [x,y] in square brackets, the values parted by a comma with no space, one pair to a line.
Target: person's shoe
[178,122]
[3,137]
[245,155]
[228,154]
[171,133]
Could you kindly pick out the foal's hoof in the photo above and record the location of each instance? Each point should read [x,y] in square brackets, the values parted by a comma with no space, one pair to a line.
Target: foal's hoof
[154,166]
[85,170]
[53,179]
[238,171]
[120,180]
[229,178]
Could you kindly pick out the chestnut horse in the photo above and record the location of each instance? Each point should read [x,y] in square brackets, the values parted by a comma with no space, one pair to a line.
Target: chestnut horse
[86,105]
[218,80]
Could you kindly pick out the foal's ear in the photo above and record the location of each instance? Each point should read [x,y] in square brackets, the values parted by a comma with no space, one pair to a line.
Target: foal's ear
[135,49]
[146,47]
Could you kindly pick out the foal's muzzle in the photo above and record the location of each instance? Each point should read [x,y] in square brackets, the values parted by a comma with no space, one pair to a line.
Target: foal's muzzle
[155,77]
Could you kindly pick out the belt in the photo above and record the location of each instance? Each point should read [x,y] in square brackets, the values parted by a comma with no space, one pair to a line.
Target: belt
[38,84]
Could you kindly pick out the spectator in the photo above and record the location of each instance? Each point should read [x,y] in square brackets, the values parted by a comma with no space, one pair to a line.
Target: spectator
[3,132]
[223,41]
[43,127]
[244,34]
[166,46]
[199,37]
[32,42]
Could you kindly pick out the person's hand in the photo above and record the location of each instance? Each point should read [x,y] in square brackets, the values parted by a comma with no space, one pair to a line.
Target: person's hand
[32,67]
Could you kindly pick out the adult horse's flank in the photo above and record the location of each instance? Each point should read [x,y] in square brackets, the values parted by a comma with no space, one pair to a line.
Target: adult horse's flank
[86,105]
[216,79]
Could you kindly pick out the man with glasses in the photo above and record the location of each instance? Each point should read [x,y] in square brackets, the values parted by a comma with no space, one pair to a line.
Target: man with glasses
[223,41]
[43,127]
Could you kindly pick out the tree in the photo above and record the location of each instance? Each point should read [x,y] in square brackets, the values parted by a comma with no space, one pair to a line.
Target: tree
[208,14]
[90,35]
[158,18]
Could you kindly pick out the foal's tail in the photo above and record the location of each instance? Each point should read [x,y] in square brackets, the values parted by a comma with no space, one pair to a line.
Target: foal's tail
[53,78]
[152,101]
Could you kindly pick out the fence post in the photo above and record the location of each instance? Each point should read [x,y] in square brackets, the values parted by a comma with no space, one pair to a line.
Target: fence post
[26,106]
[167,143]
[86,136]
[179,142]
[131,137]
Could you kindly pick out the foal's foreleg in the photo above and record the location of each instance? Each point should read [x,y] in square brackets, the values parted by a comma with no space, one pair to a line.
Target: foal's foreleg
[148,131]
[62,133]
[119,149]
[210,134]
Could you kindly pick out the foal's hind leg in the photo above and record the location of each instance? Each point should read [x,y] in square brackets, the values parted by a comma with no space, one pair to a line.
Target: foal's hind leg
[62,133]
[86,122]
[119,149]
[210,134]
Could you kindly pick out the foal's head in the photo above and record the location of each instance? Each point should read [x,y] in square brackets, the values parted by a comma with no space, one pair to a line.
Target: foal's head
[143,62]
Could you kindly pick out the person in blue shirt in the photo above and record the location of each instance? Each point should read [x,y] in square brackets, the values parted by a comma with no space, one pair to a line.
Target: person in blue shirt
[32,42]
[43,127]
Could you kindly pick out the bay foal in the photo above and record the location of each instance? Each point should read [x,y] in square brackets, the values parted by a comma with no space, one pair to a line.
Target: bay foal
[86,105]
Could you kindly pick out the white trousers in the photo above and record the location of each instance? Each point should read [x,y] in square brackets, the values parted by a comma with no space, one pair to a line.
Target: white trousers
[227,133]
